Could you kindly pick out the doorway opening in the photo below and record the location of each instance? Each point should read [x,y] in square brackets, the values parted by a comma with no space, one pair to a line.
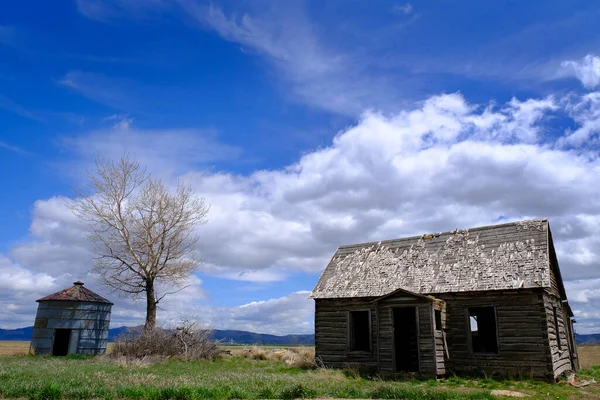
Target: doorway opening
[62,337]
[406,339]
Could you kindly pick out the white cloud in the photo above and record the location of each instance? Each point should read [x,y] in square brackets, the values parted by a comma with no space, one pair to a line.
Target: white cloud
[585,111]
[440,165]
[19,288]
[293,313]
[587,70]
[14,277]
[319,74]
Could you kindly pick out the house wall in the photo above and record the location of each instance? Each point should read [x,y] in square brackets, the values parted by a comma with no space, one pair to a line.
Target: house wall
[526,334]
[441,349]
[89,323]
[561,356]
[523,342]
[332,326]
[554,297]
[331,333]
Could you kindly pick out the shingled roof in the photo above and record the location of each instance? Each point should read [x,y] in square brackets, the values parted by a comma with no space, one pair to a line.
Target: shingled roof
[75,293]
[507,256]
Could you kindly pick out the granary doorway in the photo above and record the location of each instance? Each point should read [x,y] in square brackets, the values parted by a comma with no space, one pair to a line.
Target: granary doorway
[406,339]
[62,337]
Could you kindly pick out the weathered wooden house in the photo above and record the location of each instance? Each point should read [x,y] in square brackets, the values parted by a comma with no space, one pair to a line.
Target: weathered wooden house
[488,299]
[72,321]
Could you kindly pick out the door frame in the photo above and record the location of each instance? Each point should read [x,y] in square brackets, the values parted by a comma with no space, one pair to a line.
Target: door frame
[417,333]
[68,335]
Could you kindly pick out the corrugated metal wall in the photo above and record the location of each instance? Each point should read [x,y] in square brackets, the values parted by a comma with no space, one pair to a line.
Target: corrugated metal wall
[88,322]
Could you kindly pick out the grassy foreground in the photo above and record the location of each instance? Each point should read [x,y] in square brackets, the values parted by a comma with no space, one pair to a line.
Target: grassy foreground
[239,377]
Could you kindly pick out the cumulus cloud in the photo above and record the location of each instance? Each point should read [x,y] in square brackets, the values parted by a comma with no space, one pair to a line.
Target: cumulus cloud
[440,165]
[293,313]
[587,70]
[19,288]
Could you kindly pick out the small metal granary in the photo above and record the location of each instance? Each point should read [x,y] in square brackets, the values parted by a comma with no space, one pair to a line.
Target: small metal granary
[72,321]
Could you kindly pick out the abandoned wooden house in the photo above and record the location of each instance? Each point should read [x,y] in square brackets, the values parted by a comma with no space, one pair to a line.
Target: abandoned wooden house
[483,300]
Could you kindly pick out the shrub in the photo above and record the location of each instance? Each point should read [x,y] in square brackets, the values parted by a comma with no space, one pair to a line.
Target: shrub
[186,342]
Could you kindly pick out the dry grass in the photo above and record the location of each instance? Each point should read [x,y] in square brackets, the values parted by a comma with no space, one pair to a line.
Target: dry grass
[589,355]
[13,347]
[19,348]
[295,357]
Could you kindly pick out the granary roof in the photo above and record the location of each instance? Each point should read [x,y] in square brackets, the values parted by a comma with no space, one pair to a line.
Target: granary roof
[75,293]
[497,257]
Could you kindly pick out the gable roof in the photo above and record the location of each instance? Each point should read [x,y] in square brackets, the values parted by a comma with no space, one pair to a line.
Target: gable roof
[497,257]
[75,293]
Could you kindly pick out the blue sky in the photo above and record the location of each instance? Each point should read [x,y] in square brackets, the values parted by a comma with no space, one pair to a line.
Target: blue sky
[306,125]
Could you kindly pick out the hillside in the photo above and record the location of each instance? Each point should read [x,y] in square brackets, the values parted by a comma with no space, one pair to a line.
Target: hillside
[242,337]
[223,336]
[593,338]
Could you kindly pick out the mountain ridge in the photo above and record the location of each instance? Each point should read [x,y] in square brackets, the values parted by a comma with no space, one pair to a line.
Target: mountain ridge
[225,336]
[231,336]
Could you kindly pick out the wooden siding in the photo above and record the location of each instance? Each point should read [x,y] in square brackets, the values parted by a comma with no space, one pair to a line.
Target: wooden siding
[554,288]
[526,333]
[441,349]
[523,348]
[332,324]
[561,356]
[331,333]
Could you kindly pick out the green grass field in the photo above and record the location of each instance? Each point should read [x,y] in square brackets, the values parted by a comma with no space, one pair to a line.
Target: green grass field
[238,377]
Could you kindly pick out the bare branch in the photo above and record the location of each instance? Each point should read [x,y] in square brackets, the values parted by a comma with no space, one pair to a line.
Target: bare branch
[142,233]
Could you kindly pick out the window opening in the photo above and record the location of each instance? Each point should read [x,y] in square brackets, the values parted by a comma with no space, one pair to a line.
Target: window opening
[483,332]
[360,330]
[438,320]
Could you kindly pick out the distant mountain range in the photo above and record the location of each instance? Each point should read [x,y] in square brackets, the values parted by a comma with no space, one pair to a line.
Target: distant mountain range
[223,336]
[593,338]
[241,337]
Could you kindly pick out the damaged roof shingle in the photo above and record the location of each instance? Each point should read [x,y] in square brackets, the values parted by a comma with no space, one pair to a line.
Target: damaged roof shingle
[498,257]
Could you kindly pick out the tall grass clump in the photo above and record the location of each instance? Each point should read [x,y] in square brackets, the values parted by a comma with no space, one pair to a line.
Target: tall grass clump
[295,357]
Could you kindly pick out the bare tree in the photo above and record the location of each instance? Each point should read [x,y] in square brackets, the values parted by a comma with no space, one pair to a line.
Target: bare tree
[143,235]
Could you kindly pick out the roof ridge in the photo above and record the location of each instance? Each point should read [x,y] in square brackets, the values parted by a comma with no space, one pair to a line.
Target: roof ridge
[77,292]
[461,260]
[477,228]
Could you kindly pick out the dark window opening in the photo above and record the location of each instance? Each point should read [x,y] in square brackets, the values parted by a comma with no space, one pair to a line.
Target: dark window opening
[438,320]
[556,329]
[482,327]
[360,331]
[62,337]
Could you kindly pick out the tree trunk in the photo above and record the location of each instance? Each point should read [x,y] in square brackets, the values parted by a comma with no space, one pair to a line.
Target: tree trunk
[150,306]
